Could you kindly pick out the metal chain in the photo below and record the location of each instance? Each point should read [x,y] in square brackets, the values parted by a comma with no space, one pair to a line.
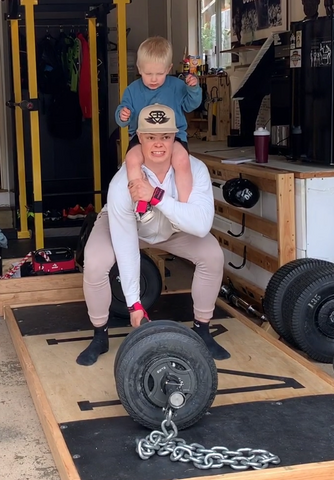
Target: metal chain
[166,443]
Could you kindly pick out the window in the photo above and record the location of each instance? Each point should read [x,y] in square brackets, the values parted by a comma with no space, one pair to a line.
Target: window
[215,36]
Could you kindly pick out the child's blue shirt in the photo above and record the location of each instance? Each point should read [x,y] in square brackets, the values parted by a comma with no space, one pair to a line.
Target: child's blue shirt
[174,93]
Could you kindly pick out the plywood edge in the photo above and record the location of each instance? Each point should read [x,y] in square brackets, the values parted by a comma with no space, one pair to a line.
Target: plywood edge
[319,174]
[308,471]
[235,313]
[61,455]
[173,292]
[266,171]
[286,218]
[76,295]
[41,283]
[41,298]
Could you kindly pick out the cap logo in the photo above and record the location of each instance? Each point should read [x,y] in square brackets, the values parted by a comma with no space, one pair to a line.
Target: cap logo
[157,117]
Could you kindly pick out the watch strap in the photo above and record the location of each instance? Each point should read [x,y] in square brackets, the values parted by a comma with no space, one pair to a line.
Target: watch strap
[157,196]
[138,306]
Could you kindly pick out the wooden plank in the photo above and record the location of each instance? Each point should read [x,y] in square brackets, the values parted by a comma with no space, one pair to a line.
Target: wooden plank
[269,329]
[41,282]
[319,174]
[224,175]
[254,222]
[254,255]
[61,455]
[247,290]
[286,221]
[27,302]
[246,168]
[40,297]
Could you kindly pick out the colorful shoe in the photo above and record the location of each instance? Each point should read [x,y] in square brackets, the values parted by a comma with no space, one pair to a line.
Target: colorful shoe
[51,216]
[89,209]
[76,212]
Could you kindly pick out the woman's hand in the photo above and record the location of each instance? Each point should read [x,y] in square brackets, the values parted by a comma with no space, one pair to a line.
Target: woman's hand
[136,317]
[141,189]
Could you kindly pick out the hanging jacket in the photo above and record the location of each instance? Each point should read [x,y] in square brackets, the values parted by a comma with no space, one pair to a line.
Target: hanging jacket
[85,93]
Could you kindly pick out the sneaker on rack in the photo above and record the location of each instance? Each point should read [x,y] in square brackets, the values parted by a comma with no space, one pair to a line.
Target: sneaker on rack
[76,212]
[51,215]
[89,209]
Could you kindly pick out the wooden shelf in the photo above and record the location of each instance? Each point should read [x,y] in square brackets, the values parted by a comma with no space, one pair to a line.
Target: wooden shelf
[279,183]
[244,49]
[198,120]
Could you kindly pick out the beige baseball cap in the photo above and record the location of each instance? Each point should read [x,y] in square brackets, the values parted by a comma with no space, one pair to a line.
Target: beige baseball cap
[157,118]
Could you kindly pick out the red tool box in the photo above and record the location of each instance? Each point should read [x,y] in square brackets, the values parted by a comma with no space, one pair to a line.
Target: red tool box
[53,260]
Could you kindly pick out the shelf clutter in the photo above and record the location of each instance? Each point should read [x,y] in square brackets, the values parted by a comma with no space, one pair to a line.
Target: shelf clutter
[212,121]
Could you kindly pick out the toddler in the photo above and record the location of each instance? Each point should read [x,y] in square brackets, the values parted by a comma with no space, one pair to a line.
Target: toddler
[154,62]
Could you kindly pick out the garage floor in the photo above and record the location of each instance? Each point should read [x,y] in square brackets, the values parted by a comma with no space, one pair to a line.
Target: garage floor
[25,454]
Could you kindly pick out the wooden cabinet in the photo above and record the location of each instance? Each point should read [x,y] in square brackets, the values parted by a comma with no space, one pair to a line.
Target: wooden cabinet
[269,238]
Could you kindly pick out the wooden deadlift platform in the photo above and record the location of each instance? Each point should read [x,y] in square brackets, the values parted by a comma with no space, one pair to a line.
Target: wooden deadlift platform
[269,397]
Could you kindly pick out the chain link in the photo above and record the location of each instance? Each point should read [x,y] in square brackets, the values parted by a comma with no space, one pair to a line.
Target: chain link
[166,443]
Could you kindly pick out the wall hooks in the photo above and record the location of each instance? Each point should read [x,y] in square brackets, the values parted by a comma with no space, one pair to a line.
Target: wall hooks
[243,262]
[242,229]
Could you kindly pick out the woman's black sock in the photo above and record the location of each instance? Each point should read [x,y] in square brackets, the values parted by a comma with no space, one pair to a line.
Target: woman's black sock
[217,352]
[99,345]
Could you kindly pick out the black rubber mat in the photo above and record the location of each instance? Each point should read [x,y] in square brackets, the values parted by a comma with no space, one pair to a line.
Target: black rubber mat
[73,317]
[298,430]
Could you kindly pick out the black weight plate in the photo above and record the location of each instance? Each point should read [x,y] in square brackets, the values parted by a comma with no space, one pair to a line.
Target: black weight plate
[281,282]
[150,287]
[151,328]
[311,313]
[138,382]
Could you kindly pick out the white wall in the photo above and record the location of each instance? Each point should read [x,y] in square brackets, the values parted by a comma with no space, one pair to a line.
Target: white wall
[157,18]
[136,19]
[296,11]
[179,29]
[193,27]
[169,18]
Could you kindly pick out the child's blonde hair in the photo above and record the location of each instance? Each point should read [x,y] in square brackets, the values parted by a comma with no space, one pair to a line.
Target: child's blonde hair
[156,50]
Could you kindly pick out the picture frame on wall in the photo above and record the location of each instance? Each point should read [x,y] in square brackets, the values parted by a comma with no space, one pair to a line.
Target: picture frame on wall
[257,19]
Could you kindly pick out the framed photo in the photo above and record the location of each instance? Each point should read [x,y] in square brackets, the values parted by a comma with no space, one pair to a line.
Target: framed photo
[258,19]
